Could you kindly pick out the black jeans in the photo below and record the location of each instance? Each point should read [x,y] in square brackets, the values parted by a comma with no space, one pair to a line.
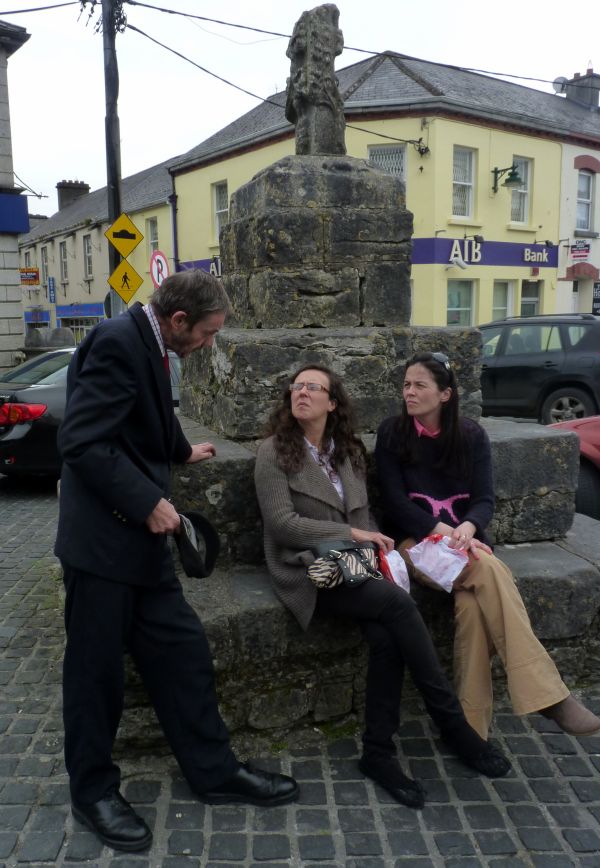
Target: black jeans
[168,645]
[397,636]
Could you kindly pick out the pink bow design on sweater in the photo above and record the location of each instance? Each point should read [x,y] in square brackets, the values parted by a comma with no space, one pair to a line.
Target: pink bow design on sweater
[438,505]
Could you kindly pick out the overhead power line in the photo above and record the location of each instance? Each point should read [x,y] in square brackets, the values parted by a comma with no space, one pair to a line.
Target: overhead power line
[202,68]
[418,143]
[167,11]
[346,47]
[27,187]
[40,8]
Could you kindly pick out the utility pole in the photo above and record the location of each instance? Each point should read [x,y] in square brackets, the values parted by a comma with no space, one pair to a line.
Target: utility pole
[113,19]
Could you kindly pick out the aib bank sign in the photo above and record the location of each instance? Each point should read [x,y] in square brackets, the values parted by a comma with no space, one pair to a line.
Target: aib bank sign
[463,252]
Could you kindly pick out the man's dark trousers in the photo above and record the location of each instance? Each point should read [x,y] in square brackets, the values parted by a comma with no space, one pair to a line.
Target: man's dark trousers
[167,643]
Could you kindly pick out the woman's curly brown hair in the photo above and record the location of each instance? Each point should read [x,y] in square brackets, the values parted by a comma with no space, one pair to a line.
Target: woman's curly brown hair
[289,436]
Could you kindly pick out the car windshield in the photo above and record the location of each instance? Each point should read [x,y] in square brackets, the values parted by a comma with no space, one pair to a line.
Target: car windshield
[40,371]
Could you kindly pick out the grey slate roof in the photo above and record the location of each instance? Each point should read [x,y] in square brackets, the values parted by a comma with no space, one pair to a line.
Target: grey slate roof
[143,190]
[392,82]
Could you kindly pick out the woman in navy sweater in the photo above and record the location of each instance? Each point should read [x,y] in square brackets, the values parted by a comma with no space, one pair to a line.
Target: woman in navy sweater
[435,476]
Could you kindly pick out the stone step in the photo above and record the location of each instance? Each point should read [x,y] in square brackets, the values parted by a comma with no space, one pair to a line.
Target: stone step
[535,475]
[273,678]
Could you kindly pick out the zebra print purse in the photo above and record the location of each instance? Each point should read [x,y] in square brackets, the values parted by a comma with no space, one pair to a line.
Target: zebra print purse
[343,561]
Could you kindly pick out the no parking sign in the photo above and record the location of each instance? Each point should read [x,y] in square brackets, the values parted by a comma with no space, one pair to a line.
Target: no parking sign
[159,268]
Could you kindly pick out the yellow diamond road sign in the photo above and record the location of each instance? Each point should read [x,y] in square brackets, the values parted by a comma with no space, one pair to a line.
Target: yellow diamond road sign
[125,280]
[124,235]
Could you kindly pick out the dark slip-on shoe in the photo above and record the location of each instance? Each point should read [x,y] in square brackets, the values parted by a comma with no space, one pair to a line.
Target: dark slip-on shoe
[115,822]
[254,786]
[386,772]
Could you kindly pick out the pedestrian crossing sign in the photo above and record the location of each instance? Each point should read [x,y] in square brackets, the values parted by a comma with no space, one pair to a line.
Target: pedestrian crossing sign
[125,280]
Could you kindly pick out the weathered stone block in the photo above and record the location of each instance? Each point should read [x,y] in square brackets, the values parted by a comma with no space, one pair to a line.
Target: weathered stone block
[244,375]
[297,299]
[561,590]
[535,474]
[330,182]
[272,677]
[384,293]
[318,215]
[233,389]
[361,234]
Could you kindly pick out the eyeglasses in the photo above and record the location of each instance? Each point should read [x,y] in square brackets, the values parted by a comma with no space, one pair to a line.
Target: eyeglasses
[311,387]
[442,359]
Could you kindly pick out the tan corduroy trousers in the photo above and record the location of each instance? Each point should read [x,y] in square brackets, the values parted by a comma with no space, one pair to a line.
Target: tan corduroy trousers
[489,617]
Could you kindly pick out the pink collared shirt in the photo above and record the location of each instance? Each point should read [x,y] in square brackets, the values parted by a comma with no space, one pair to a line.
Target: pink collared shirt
[422,430]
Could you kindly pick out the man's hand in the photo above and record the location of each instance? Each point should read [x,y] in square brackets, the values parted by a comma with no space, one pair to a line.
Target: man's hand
[164,518]
[200,452]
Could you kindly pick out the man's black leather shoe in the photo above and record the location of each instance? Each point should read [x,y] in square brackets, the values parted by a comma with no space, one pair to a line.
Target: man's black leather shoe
[254,786]
[115,822]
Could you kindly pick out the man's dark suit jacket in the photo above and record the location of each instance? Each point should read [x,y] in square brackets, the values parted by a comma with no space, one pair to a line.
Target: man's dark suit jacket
[117,441]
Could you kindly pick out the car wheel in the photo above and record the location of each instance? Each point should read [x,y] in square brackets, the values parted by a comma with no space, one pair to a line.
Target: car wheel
[565,404]
[587,497]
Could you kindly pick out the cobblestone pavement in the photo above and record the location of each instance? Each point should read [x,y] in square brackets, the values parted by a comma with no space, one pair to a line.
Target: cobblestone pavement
[545,814]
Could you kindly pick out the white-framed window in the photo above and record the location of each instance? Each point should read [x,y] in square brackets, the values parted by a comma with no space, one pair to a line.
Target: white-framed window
[502,299]
[64,262]
[220,206]
[88,263]
[152,234]
[519,208]
[463,180]
[44,262]
[585,196]
[460,303]
[27,259]
[389,158]
[530,297]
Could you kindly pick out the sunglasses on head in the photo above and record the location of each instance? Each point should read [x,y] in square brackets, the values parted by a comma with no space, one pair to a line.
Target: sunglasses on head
[442,359]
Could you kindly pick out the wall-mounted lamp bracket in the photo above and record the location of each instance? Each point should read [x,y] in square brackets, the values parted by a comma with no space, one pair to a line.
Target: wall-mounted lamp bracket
[513,178]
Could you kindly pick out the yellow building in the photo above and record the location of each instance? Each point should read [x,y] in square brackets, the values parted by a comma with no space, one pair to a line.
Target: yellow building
[67,254]
[481,249]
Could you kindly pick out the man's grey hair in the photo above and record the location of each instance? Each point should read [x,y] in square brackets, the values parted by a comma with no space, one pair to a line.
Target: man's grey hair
[194,291]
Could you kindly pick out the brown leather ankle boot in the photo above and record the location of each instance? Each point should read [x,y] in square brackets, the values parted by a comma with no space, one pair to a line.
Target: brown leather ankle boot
[573,717]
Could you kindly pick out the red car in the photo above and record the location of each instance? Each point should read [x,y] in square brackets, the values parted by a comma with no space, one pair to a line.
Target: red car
[587,498]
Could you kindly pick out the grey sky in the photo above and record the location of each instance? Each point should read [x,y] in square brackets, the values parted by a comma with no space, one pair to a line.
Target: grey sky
[167,106]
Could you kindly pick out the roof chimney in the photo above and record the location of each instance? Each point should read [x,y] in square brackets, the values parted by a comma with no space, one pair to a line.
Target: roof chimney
[584,89]
[70,191]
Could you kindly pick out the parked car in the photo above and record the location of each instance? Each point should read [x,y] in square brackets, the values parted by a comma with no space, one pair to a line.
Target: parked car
[543,367]
[587,498]
[32,406]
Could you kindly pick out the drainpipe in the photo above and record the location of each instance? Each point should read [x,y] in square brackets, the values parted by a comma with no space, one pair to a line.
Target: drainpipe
[172,200]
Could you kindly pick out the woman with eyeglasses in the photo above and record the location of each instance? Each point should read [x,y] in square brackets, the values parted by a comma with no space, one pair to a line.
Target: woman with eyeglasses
[310,482]
[435,476]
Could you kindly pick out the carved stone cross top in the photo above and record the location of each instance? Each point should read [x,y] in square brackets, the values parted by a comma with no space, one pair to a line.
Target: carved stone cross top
[313,102]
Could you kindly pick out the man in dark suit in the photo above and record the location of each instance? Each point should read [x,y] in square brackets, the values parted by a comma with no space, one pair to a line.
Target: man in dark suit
[118,440]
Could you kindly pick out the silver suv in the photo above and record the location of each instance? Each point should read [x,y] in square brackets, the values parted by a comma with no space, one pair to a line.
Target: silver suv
[543,367]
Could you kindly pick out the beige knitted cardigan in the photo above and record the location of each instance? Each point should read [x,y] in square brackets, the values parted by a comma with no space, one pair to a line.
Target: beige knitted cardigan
[299,510]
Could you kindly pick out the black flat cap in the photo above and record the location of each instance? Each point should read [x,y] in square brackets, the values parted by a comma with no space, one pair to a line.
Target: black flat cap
[198,544]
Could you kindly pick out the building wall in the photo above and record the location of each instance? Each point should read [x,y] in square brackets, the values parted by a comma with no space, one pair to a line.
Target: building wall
[11,319]
[79,300]
[197,231]
[579,253]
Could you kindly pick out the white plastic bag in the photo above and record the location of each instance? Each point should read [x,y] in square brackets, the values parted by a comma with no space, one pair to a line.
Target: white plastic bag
[440,563]
[396,568]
